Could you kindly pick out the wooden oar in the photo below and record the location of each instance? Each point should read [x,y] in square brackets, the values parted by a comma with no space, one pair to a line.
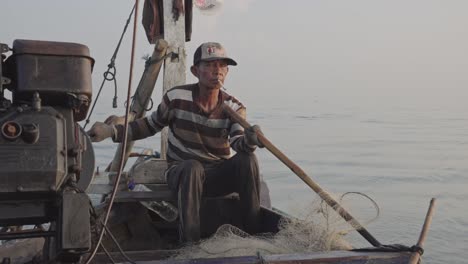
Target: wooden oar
[299,172]
[422,237]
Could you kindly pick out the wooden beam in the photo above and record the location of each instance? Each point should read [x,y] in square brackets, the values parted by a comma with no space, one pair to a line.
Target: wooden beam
[142,96]
[174,67]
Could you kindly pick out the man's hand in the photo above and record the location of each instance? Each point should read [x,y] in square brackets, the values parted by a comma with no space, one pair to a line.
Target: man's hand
[251,136]
[100,131]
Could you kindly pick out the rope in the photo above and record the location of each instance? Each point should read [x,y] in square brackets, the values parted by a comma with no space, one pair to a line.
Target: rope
[107,253]
[117,244]
[324,210]
[418,249]
[150,62]
[376,206]
[150,106]
[108,232]
[124,142]
[72,186]
[111,72]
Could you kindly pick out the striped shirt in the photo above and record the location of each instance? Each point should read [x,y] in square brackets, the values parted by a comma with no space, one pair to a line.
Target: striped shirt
[193,134]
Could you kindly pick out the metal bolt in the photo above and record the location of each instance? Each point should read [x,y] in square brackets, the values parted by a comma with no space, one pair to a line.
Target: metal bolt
[10,130]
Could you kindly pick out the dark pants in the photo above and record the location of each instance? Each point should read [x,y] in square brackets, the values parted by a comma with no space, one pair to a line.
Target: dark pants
[192,180]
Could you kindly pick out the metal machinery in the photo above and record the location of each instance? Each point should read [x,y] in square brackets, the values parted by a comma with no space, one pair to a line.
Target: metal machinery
[46,158]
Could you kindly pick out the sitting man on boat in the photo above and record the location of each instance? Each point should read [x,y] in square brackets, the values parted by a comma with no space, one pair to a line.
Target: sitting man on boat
[201,135]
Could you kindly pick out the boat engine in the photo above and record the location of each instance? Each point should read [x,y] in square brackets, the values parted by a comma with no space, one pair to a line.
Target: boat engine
[46,158]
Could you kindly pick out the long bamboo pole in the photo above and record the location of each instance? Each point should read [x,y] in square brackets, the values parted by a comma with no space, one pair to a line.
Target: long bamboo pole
[299,172]
[422,237]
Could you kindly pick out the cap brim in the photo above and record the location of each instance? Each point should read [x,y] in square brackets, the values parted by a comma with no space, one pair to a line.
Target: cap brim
[228,60]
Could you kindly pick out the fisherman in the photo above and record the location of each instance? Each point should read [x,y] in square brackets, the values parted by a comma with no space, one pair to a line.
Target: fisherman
[200,162]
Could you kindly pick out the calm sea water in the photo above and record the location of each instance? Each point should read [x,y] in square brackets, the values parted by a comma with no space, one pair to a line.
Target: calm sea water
[398,154]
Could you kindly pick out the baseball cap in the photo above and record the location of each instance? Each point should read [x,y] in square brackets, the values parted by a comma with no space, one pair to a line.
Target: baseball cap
[211,51]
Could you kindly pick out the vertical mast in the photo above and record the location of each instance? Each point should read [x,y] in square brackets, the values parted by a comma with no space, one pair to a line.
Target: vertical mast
[174,66]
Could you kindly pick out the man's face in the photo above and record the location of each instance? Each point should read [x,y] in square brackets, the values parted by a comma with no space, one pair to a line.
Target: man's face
[210,73]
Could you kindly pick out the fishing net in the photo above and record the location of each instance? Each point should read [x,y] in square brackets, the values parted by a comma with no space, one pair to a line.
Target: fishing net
[315,232]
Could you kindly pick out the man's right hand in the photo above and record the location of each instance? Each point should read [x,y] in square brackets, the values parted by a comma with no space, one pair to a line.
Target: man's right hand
[100,131]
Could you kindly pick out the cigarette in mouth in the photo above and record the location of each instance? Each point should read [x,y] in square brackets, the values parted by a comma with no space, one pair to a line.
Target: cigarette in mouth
[222,85]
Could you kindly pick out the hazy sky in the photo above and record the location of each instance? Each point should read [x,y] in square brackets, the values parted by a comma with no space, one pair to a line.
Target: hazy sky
[335,54]
[413,52]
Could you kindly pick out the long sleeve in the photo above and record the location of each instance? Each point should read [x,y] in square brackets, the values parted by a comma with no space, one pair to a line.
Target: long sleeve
[147,126]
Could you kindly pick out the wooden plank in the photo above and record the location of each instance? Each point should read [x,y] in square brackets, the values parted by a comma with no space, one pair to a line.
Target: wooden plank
[161,195]
[100,188]
[160,192]
[109,177]
[174,68]
[337,257]
[144,255]
[340,257]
